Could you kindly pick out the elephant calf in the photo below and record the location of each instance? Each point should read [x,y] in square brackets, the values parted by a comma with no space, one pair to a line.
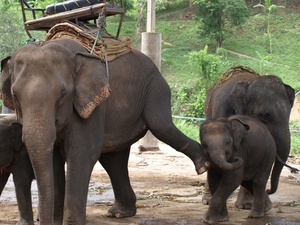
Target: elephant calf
[14,160]
[241,151]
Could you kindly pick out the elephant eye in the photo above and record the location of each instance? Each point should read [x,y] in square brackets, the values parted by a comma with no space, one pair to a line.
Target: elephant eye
[63,94]
[14,96]
[265,117]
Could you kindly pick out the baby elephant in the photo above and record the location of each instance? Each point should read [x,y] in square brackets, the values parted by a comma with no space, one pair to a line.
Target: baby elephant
[15,160]
[241,152]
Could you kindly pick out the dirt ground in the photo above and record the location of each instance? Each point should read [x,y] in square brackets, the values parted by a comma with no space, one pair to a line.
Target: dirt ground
[168,192]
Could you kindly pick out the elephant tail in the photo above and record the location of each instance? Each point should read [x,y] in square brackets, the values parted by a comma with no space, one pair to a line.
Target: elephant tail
[274,185]
[292,169]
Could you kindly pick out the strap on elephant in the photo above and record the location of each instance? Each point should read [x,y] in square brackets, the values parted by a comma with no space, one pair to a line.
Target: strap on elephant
[101,24]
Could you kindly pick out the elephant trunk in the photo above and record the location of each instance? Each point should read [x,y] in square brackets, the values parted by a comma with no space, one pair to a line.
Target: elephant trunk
[39,139]
[221,162]
[283,144]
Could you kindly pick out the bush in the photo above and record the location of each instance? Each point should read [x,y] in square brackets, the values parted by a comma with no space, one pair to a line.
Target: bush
[188,100]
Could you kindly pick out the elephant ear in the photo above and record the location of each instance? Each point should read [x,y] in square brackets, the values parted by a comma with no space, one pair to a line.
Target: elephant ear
[237,99]
[6,83]
[239,130]
[91,84]
[290,92]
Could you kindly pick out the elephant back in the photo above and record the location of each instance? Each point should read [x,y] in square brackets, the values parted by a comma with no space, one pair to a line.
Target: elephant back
[218,93]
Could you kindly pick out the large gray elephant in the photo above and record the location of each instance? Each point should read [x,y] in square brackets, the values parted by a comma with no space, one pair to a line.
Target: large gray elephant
[242,152]
[60,94]
[242,91]
[14,160]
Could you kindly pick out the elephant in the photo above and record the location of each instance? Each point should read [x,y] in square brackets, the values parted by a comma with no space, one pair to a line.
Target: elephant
[14,160]
[242,91]
[241,151]
[63,96]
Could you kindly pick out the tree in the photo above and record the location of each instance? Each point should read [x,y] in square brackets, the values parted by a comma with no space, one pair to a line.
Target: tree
[214,14]
[269,7]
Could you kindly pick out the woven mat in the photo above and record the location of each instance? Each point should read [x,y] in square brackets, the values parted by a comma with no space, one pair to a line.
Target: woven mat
[112,46]
[235,70]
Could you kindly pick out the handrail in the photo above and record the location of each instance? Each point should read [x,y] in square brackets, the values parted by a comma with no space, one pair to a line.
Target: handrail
[87,13]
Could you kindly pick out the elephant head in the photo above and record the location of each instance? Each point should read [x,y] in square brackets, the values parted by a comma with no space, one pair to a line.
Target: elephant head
[269,100]
[50,86]
[220,140]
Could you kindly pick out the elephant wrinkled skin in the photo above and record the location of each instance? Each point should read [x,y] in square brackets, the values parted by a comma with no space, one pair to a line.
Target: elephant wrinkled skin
[266,98]
[61,95]
[241,151]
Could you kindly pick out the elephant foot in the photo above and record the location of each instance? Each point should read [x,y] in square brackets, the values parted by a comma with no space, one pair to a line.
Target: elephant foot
[206,198]
[256,213]
[213,219]
[209,220]
[119,211]
[244,200]
[25,222]
[268,204]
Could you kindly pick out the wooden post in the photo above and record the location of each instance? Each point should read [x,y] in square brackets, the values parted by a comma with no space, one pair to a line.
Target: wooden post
[151,46]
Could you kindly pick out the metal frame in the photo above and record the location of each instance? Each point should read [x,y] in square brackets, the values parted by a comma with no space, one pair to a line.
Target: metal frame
[85,14]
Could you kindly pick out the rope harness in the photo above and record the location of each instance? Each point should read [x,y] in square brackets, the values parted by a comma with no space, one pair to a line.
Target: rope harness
[96,41]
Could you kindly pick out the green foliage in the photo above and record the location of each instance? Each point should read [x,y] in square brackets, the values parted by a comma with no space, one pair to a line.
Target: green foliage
[188,100]
[222,52]
[263,60]
[269,9]
[205,64]
[11,30]
[295,137]
[295,144]
[189,128]
[214,14]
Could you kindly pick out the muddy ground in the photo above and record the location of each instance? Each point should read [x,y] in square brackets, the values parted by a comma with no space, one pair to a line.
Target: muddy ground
[168,192]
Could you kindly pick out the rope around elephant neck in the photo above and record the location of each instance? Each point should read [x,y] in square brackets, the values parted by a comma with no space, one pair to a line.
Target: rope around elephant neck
[101,24]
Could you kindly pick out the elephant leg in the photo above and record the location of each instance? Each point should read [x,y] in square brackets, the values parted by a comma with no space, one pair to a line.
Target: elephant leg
[268,203]
[207,195]
[244,199]
[4,175]
[78,175]
[217,211]
[22,181]
[260,198]
[59,185]
[116,165]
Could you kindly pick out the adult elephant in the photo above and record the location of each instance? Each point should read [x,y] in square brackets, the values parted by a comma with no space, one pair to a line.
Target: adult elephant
[242,91]
[59,93]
